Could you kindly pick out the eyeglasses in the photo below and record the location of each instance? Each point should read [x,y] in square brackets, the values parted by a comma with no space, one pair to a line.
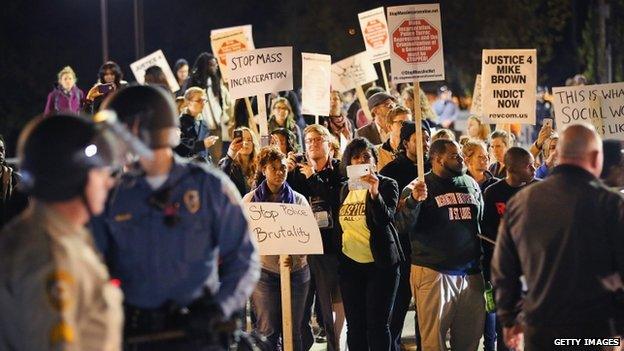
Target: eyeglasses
[316,140]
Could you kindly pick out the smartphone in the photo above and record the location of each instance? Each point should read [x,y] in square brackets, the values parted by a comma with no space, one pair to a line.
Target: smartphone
[238,134]
[300,158]
[547,122]
[105,88]
[357,171]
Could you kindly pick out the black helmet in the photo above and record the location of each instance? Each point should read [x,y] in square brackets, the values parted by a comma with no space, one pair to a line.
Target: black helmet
[56,154]
[148,111]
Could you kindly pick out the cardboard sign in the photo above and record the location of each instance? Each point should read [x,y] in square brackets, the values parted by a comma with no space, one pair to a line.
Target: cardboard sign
[284,229]
[315,84]
[156,58]
[260,71]
[375,33]
[353,72]
[416,43]
[600,104]
[508,84]
[247,30]
[476,108]
[224,43]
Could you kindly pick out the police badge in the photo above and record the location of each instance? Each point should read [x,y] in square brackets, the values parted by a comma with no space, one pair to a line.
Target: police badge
[191,201]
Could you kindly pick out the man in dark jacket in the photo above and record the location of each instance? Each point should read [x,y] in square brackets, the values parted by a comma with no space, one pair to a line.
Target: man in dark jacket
[564,255]
[442,216]
[376,131]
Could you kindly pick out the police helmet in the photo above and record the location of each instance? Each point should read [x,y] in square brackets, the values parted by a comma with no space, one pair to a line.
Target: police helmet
[147,111]
[57,153]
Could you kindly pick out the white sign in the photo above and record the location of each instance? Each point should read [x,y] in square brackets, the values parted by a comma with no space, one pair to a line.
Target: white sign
[600,104]
[154,59]
[315,84]
[247,31]
[353,72]
[228,42]
[284,229]
[476,108]
[508,84]
[375,33]
[260,71]
[416,50]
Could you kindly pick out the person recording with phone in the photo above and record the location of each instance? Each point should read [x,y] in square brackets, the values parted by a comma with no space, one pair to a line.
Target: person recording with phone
[240,162]
[370,252]
[110,79]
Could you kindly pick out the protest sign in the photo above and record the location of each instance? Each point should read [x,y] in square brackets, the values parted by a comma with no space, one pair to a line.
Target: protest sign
[508,84]
[284,229]
[247,31]
[227,42]
[315,84]
[156,58]
[375,33]
[476,108]
[260,71]
[600,104]
[352,72]
[416,51]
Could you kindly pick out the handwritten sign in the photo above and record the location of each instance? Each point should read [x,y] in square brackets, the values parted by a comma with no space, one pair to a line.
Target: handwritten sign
[416,43]
[156,58]
[227,42]
[316,84]
[375,33]
[353,72]
[600,104]
[260,71]
[476,108]
[284,229]
[508,84]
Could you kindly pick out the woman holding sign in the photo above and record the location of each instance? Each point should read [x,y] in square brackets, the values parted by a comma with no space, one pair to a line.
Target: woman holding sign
[266,298]
[369,263]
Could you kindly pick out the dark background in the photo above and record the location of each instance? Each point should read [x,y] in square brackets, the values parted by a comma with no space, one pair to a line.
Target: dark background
[38,38]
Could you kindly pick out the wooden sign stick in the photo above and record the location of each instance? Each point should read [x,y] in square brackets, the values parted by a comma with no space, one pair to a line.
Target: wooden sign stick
[287,331]
[252,123]
[419,133]
[384,75]
[363,102]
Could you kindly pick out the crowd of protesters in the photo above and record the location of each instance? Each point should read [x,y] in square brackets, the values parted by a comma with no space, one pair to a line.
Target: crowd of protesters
[435,241]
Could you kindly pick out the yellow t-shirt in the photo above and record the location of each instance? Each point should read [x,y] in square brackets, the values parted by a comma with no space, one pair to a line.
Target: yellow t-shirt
[355,232]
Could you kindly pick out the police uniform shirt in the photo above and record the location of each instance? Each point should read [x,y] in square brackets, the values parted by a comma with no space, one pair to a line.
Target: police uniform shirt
[55,292]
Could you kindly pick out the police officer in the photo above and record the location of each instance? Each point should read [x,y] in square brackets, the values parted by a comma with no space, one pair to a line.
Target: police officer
[175,236]
[55,293]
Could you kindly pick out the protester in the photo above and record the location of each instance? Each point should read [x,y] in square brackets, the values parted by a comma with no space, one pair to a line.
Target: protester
[218,110]
[284,140]
[110,79]
[564,257]
[377,130]
[154,75]
[62,298]
[282,116]
[194,138]
[181,71]
[356,114]
[549,157]
[12,200]
[442,217]
[66,96]
[319,179]
[543,109]
[175,235]
[500,141]
[266,299]
[613,168]
[371,253]
[293,100]
[477,158]
[477,129]
[337,123]
[520,171]
[390,148]
[443,134]
[445,108]
[407,95]
[545,132]
[240,161]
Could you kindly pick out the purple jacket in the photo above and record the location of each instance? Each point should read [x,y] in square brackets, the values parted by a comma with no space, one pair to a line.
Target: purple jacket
[59,101]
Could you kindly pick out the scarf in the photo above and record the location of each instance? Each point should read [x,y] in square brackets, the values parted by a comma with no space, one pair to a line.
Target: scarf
[337,124]
[263,193]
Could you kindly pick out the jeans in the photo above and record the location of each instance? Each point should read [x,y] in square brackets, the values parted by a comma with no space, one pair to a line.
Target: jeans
[489,332]
[266,302]
[368,294]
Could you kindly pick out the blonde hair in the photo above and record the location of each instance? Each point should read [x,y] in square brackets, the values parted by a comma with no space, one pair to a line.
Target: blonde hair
[318,129]
[471,145]
[396,111]
[66,70]
[194,91]
[484,129]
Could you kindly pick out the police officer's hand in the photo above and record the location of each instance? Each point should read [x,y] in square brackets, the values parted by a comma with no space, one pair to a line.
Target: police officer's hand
[419,192]
[235,146]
